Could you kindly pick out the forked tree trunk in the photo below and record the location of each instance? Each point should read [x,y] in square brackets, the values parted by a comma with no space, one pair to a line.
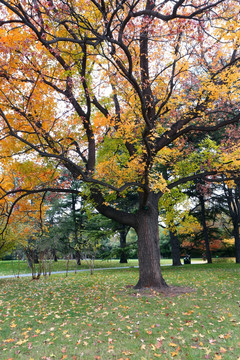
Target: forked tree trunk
[148,246]
[145,223]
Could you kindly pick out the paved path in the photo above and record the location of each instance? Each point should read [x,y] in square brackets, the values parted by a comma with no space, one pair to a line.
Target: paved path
[69,271]
[83,270]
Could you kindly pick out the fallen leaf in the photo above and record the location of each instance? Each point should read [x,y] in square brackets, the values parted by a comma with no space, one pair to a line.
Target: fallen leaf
[127,353]
[159,344]
[9,340]
[20,342]
[212,341]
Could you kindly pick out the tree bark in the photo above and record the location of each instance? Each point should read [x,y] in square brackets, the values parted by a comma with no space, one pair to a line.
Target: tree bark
[145,223]
[148,246]
[205,230]
[175,246]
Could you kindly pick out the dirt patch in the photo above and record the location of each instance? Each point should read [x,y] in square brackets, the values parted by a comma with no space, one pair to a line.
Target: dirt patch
[169,291]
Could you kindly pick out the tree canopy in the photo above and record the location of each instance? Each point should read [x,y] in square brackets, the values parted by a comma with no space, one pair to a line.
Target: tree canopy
[118,92]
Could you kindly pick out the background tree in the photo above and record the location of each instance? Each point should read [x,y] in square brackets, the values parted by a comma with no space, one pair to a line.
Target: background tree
[175,214]
[70,224]
[232,193]
[110,91]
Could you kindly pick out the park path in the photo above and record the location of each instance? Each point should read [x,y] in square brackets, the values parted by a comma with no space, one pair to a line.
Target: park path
[69,271]
[84,270]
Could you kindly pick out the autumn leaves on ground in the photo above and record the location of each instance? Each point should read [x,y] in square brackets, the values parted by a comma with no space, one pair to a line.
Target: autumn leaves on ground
[102,317]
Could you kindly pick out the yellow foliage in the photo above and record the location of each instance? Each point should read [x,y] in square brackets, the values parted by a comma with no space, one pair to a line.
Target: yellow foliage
[158,183]
[229,242]
[63,103]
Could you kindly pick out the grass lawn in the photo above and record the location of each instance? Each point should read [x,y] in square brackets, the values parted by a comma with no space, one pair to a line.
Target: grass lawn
[21,267]
[15,267]
[98,317]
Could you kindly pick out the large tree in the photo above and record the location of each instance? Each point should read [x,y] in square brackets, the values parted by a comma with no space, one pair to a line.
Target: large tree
[112,90]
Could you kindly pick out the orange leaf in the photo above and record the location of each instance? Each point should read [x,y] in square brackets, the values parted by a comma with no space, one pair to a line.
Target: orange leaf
[9,340]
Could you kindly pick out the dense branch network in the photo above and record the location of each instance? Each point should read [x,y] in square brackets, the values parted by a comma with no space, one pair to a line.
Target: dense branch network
[155,100]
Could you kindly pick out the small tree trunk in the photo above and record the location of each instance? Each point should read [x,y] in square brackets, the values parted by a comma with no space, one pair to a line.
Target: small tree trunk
[67,265]
[123,243]
[54,255]
[205,230]
[78,257]
[148,246]
[35,257]
[175,246]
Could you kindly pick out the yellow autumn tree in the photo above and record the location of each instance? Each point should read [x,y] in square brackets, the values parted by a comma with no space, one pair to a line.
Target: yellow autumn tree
[116,93]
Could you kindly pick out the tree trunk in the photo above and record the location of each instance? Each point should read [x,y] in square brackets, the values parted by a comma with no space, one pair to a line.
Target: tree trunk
[35,257]
[148,245]
[123,243]
[236,225]
[78,257]
[145,223]
[54,255]
[175,246]
[234,210]
[237,241]
[205,230]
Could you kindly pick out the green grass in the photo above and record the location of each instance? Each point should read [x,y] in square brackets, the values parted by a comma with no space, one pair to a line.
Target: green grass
[98,317]
[15,267]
